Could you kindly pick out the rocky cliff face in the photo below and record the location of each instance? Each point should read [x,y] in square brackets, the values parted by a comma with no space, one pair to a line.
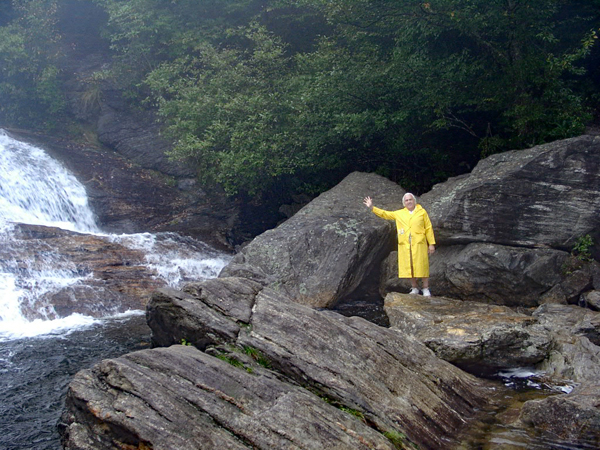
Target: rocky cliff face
[266,366]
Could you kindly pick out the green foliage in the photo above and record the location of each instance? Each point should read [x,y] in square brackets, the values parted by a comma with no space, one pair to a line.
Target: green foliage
[258,357]
[227,109]
[353,412]
[234,362]
[185,342]
[228,354]
[415,91]
[400,441]
[30,88]
[269,98]
[146,33]
[581,254]
[582,248]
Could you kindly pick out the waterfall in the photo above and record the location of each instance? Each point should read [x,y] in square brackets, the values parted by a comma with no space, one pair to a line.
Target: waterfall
[37,190]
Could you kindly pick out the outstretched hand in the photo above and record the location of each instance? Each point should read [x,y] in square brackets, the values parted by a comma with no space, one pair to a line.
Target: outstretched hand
[368,202]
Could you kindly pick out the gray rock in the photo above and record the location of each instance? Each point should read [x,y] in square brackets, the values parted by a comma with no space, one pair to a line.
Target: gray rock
[487,273]
[179,398]
[382,375]
[575,352]
[547,195]
[325,250]
[476,336]
[394,380]
[570,288]
[574,418]
[202,314]
[592,300]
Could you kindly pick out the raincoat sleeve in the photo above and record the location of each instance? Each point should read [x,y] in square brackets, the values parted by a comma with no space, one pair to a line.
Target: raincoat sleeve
[428,230]
[388,215]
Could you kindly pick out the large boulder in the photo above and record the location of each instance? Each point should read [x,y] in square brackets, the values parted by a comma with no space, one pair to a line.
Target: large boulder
[475,336]
[547,195]
[490,273]
[326,249]
[180,398]
[174,315]
[382,377]
[572,418]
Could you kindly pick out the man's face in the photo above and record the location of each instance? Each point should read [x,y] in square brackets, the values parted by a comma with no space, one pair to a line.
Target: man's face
[409,202]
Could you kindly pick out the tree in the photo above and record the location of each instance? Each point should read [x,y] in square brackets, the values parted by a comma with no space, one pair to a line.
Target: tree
[30,89]
[227,109]
[506,72]
[417,91]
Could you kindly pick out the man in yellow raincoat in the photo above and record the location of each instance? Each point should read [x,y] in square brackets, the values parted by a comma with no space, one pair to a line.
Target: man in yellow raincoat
[415,240]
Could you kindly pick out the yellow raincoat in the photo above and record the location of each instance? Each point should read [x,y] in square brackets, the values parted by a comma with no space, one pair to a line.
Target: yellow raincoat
[415,235]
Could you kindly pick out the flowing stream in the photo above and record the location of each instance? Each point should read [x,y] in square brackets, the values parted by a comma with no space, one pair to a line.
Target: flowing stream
[39,356]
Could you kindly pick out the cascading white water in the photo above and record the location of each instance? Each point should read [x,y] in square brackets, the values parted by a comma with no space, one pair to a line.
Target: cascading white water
[37,190]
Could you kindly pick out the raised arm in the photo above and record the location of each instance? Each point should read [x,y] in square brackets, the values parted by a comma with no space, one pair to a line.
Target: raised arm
[388,215]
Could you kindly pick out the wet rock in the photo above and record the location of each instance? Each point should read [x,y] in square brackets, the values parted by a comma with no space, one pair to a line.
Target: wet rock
[179,398]
[547,195]
[384,376]
[324,251]
[575,352]
[574,418]
[490,273]
[479,337]
[127,198]
[112,278]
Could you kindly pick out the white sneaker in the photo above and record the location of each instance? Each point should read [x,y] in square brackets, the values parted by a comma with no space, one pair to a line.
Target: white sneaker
[414,291]
[426,292]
